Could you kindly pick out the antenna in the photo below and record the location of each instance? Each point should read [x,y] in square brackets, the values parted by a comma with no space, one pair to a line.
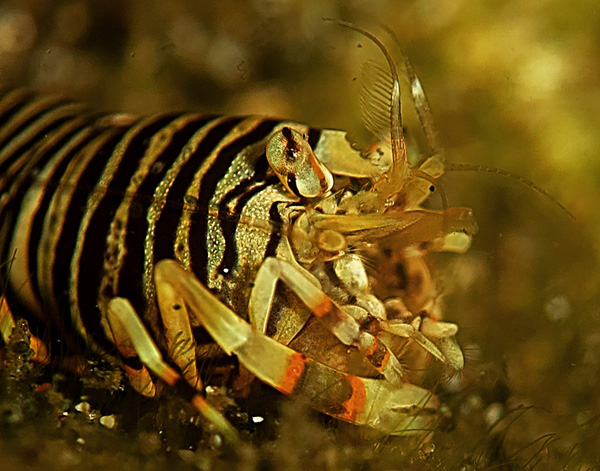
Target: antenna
[504,173]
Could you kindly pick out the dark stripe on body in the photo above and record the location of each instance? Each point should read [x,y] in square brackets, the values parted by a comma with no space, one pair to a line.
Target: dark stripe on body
[275,218]
[31,131]
[92,255]
[199,225]
[229,219]
[10,105]
[130,278]
[229,227]
[37,225]
[32,161]
[74,212]
[20,167]
[22,115]
[166,226]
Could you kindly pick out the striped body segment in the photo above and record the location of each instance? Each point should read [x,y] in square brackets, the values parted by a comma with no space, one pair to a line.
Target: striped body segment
[90,203]
[170,235]
[137,237]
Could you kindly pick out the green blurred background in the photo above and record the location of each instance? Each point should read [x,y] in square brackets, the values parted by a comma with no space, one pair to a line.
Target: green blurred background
[512,84]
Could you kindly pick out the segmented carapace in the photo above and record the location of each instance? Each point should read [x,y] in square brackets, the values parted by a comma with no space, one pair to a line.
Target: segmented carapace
[141,235]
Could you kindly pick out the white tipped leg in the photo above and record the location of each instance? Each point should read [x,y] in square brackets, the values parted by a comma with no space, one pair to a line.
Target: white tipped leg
[443,334]
[123,317]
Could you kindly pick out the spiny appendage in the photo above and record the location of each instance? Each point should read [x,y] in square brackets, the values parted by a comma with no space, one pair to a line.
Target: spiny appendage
[400,187]
[380,102]
[420,100]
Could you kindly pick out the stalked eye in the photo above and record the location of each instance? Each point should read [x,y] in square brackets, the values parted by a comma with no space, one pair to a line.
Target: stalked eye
[292,159]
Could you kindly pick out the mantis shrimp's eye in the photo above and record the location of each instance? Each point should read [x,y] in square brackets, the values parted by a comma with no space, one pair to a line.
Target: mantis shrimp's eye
[294,162]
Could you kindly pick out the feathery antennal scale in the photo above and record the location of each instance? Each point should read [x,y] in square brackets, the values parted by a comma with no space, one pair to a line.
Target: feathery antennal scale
[375,98]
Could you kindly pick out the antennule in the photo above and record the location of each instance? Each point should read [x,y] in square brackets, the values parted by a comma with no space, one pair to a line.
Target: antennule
[419,98]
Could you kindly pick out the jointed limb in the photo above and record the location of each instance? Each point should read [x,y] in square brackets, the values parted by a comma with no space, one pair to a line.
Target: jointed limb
[133,361]
[7,324]
[399,409]
[178,332]
[340,322]
[123,313]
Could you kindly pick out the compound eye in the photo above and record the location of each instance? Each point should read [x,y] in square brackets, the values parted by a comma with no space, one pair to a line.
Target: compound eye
[292,159]
[292,146]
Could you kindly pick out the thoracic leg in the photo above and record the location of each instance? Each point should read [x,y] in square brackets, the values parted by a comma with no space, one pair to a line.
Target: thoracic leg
[178,332]
[340,322]
[364,401]
[7,324]
[125,320]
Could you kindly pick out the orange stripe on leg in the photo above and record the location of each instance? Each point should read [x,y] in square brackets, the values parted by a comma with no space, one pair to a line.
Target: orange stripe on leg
[341,324]
[323,307]
[371,349]
[375,352]
[169,375]
[355,404]
[386,358]
[293,372]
